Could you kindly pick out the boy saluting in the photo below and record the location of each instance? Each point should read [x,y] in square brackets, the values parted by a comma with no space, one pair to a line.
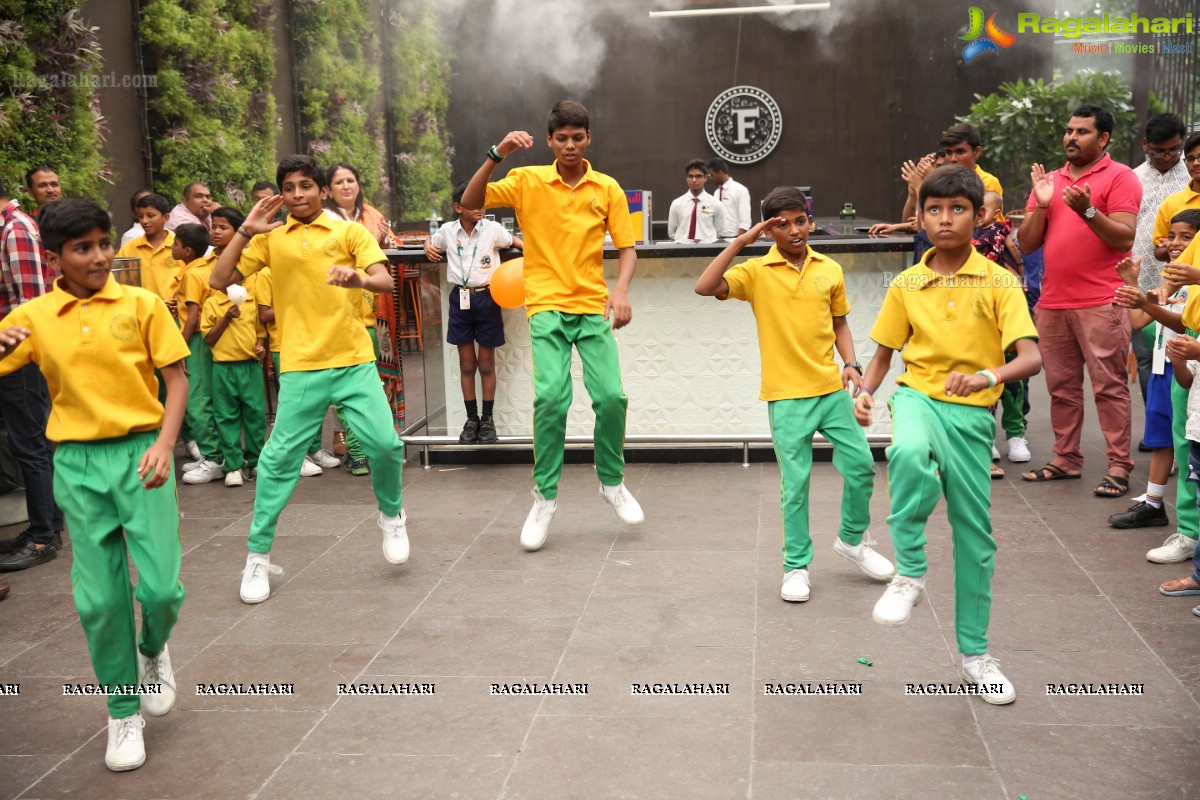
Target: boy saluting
[99,343]
[953,314]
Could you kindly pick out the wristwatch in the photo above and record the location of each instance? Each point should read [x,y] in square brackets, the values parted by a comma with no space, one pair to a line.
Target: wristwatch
[1089,212]
[857,366]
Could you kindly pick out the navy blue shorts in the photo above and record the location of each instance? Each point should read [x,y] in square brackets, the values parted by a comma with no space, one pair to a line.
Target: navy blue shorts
[1158,410]
[483,322]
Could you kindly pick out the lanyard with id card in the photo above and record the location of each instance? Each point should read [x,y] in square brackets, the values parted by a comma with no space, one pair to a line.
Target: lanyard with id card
[464,294]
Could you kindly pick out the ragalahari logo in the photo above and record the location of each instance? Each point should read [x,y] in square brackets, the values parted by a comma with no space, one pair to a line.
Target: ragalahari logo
[995,36]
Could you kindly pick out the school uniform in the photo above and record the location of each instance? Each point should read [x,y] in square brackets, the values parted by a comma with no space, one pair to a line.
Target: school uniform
[199,424]
[239,403]
[471,260]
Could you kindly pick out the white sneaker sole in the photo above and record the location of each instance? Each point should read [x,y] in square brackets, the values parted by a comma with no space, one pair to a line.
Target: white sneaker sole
[884,577]
[1019,460]
[894,624]
[989,698]
[795,598]
[253,601]
[124,767]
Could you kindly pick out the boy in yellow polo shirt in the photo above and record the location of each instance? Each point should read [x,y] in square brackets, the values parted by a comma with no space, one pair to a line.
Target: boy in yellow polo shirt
[565,208]
[953,314]
[160,270]
[799,302]
[191,243]
[239,405]
[320,265]
[1185,198]
[99,343]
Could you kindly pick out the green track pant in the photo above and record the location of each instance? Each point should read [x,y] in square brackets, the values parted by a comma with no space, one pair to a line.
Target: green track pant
[240,410]
[552,335]
[945,448]
[111,517]
[1185,493]
[793,423]
[199,422]
[353,445]
[304,397]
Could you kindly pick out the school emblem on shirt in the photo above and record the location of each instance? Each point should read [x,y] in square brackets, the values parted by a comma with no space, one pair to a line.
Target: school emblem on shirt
[979,306]
[331,247]
[485,262]
[821,283]
[123,327]
[743,124]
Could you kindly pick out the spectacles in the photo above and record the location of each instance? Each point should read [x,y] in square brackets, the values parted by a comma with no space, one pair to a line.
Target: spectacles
[1191,159]
[1157,153]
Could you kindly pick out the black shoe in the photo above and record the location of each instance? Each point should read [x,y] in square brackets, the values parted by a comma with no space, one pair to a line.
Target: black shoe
[1140,515]
[28,556]
[470,431]
[487,431]
[18,542]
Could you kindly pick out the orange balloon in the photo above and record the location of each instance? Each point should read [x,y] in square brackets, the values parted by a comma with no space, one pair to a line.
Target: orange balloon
[508,284]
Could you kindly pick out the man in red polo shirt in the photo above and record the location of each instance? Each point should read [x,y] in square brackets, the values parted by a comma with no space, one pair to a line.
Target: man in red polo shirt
[1085,217]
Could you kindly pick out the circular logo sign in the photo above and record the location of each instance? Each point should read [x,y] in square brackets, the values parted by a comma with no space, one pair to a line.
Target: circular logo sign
[743,124]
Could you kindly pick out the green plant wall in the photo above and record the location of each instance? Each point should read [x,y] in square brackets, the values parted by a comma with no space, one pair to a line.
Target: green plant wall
[212,113]
[50,67]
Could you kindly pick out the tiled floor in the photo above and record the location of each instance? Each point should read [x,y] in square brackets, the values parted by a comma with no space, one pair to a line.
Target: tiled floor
[689,597]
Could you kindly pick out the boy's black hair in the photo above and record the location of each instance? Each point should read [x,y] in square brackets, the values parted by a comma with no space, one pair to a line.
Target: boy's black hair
[696,163]
[952,180]
[156,201]
[784,198]
[718,165]
[235,217]
[568,113]
[1192,142]
[260,185]
[138,195]
[194,237]
[38,168]
[305,165]
[1189,216]
[1162,127]
[1104,120]
[961,132]
[459,191]
[61,221]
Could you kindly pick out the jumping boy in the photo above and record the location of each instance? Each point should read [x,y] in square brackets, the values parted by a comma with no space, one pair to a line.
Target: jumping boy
[98,344]
[953,315]
[565,208]
[799,301]
[474,315]
[325,353]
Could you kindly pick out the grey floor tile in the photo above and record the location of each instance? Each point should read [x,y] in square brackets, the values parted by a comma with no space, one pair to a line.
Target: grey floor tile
[300,617]
[776,780]
[507,593]
[376,777]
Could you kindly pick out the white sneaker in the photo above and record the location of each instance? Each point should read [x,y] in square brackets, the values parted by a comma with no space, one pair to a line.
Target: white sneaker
[310,468]
[898,601]
[869,561]
[537,524]
[256,581]
[193,450]
[205,472]
[191,465]
[985,671]
[1176,548]
[1018,450]
[395,537]
[622,501]
[157,672]
[234,478]
[126,750]
[325,459]
[995,453]
[795,587]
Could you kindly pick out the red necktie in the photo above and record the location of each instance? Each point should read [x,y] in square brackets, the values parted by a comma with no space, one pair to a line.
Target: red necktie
[695,208]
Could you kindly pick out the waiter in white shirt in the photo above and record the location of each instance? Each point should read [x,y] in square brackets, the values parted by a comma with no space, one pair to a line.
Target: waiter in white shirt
[696,216]
[733,197]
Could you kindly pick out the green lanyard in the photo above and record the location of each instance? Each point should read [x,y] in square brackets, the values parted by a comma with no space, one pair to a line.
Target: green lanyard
[470,265]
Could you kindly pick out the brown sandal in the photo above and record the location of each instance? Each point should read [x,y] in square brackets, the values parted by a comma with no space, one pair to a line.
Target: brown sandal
[997,472]
[1112,486]
[1050,472]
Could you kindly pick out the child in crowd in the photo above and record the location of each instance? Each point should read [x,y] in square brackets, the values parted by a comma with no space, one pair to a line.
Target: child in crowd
[230,326]
[799,301]
[953,315]
[325,355]
[191,243]
[160,270]
[99,343]
[565,209]
[135,230]
[474,315]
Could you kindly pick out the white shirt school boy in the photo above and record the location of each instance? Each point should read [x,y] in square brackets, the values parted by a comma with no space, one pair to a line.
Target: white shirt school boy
[471,259]
[735,199]
[710,218]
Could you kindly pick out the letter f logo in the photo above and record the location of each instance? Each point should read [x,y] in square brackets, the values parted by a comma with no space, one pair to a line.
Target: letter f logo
[976,28]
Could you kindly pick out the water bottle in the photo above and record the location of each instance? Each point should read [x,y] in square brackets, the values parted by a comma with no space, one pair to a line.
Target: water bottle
[434,221]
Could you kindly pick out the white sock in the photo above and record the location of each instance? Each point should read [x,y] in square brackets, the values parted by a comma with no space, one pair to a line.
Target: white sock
[918,581]
[611,490]
[1154,494]
[972,659]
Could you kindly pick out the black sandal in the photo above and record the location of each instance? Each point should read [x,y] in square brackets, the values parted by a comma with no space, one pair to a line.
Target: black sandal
[1112,486]
[1050,472]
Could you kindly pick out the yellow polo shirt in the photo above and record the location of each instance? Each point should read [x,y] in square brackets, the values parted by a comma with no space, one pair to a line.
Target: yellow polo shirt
[193,283]
[564,229]
[1182,200]
[794,309]
[1191,311]
[160,270]
[368,308]
[957,323]
[98,356]
[320,325]
[237,341]
[263,292]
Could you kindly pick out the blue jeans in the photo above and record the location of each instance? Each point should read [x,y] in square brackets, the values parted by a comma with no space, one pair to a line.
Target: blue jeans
[25,408]
[1194,477]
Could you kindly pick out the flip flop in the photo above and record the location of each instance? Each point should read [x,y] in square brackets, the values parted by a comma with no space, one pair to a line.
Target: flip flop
[1112,486]
[1050,472]
[997,472]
